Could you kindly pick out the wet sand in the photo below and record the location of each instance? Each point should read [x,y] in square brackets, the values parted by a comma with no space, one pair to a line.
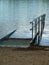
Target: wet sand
[13,56]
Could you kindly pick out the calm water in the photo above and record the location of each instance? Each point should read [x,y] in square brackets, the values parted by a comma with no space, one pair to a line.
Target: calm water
[17,14]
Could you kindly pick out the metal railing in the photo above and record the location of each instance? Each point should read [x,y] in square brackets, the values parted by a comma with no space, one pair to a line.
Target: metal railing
[37,27]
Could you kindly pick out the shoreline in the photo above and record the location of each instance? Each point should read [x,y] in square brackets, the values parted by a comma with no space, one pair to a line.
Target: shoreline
[13,56]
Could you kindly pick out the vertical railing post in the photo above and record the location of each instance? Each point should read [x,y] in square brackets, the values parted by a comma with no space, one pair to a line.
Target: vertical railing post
[42,23]
[39,30]
[41,26]
[36,29]
[32,29]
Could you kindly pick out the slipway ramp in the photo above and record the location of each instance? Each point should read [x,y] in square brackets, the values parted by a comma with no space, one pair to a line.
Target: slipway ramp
[37,31]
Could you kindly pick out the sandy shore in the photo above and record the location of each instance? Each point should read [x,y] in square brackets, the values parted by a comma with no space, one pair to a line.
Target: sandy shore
[12,56]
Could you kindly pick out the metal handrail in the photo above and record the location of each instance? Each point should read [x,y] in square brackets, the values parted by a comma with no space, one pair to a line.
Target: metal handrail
[38,24]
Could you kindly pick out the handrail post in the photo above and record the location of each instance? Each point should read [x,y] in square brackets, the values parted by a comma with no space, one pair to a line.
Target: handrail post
[39,30]
[42,23]
[32,29]
[36,29]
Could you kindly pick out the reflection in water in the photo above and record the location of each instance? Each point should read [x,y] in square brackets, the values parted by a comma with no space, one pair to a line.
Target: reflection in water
[17,14]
